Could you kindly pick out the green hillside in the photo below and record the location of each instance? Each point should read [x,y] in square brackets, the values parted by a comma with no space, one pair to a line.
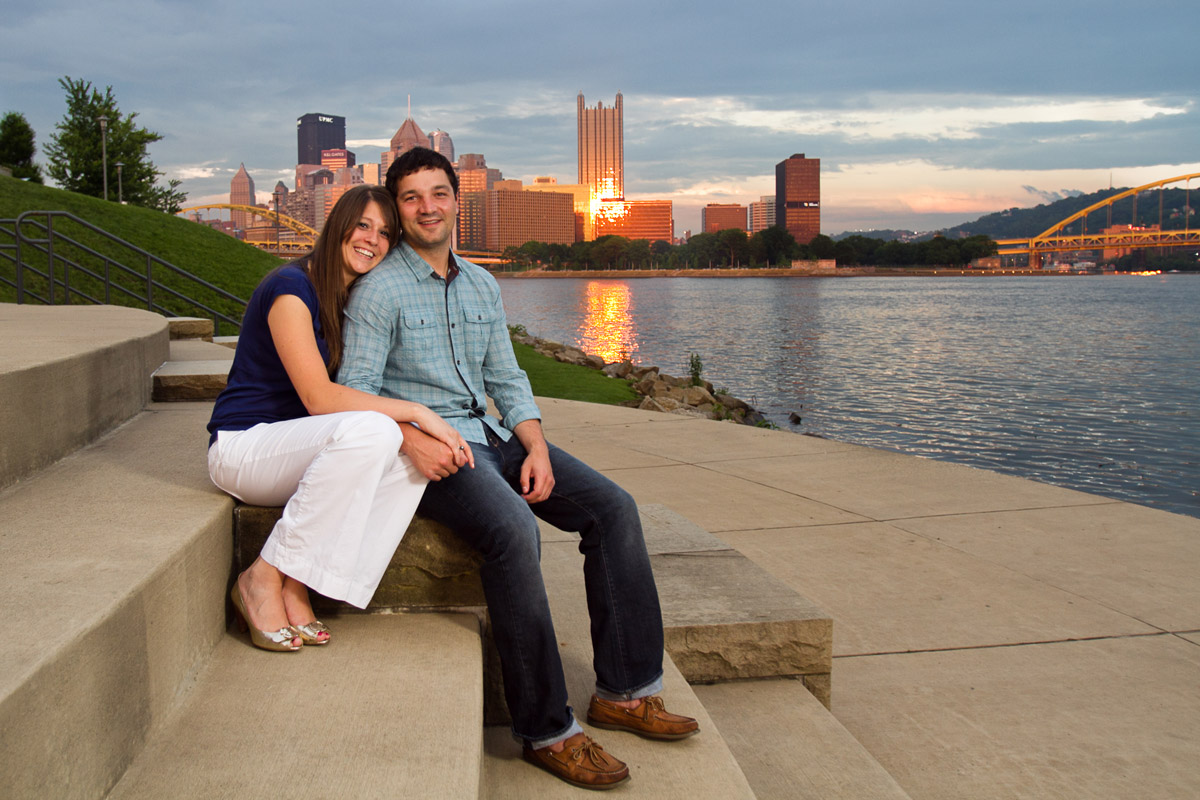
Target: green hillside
[208,254]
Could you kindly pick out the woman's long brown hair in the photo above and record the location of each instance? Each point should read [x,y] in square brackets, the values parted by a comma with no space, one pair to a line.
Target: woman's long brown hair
[327,267]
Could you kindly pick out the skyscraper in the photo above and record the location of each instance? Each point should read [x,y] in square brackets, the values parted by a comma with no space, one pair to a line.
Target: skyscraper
[241,193]
[408,136]
[602,148]
[798,197]
[719,216]
[440,141]
[317,132]
[762,213]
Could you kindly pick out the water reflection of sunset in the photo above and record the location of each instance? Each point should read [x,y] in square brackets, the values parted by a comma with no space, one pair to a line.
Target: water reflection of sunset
[607,330]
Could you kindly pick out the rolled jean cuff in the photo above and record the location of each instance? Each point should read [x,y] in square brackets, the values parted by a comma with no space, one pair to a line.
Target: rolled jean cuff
[645,690]
[565,733]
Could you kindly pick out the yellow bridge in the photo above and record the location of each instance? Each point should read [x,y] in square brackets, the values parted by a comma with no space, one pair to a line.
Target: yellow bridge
[300,237]
[1057,240]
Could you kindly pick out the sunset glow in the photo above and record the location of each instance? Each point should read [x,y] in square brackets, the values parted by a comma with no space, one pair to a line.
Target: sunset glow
[607,202]
[607,330]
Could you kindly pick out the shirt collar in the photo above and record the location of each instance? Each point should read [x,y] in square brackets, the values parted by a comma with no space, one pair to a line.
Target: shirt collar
[420,268]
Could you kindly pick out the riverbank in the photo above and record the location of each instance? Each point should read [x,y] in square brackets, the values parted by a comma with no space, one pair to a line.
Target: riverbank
[823,269]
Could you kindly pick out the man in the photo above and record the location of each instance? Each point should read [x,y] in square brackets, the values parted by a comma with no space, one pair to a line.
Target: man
[428,326]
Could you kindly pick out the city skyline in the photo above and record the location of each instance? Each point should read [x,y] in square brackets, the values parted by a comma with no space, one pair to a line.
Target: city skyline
[924,114]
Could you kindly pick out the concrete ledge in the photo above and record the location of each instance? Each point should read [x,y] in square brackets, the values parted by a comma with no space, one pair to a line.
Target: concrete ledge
[68,375]
[116,566]
[725,618]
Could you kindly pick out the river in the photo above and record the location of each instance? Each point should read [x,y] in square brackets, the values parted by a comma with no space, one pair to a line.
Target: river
[1087,382]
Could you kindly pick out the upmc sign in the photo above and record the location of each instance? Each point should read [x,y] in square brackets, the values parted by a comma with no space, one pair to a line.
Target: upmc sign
[325,119]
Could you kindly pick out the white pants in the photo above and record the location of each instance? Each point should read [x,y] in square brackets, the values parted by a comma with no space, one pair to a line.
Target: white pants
[348,495]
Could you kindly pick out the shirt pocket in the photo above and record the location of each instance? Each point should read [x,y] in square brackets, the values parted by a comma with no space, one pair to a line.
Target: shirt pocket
[422,340]
[477,329]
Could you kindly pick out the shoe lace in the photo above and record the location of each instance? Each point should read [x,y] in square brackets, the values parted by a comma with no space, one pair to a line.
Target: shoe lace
[591,750]
[651,706]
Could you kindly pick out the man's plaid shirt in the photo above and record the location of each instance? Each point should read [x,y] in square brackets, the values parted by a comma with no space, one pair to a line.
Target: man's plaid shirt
[412,335]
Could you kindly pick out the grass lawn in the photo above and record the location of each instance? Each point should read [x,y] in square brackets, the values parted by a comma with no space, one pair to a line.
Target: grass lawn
[551,378]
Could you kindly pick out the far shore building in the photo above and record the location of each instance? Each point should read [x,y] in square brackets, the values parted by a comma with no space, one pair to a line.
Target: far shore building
[440,141]
[317,132]
[762,213]
[601,148]
[514,217]
[1113,253]
[337,158]
[326,195]
[581,199]
[475,178]
[798,197]
[241,193]
[722,216]
[407,137]
[638,219]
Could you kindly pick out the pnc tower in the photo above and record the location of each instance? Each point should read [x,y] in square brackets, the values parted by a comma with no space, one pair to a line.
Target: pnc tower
[798,197]
[602,148]
[317,132]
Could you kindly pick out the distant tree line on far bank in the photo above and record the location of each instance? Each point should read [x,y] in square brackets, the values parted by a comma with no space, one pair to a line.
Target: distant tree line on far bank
[733,248]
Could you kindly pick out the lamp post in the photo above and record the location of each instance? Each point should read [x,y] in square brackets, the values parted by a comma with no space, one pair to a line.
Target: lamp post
[103,120]
[120,194]
[278,248]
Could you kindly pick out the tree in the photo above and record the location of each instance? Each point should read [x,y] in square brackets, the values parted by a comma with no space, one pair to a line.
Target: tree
[17,147]
[734,244]
[773,245]
[76,151]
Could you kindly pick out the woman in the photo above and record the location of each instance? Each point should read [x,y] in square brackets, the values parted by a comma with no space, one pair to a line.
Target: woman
[283,433]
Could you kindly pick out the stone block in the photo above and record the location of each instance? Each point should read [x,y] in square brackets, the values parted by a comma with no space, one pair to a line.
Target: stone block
[432,568]
[190,328]
[726,618]
[189,380]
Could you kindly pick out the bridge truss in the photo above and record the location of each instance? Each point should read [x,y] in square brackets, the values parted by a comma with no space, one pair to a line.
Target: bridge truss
[300,238]
[1057,239]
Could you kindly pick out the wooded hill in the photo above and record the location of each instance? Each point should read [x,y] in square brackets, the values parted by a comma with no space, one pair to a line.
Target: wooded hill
[1019,223]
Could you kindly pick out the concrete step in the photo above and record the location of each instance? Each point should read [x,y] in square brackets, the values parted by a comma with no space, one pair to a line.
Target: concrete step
[391,707]
[68,375]
[790,747]
[117,559]
[195,370]
[699,767]
[726,618]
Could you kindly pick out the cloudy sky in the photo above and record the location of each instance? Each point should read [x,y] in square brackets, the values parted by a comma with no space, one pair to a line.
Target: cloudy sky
[924,113]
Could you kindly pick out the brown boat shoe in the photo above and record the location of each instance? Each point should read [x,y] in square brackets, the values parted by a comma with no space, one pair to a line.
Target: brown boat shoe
[648,719]
[582,763]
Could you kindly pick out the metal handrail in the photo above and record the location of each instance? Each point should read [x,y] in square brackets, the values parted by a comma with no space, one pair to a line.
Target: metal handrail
[43,243]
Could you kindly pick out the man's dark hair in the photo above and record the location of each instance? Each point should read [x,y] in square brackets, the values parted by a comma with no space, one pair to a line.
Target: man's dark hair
[415,160]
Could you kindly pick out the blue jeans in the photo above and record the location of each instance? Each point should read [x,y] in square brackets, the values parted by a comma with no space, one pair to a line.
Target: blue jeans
[483,506]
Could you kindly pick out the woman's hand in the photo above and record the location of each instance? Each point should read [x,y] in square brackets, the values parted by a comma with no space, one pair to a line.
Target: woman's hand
[441,430]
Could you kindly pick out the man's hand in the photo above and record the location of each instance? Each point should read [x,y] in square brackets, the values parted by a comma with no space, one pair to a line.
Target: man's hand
[431,456]
[537,476]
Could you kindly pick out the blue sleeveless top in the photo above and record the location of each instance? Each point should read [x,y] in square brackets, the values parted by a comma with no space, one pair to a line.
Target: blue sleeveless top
[259,389]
